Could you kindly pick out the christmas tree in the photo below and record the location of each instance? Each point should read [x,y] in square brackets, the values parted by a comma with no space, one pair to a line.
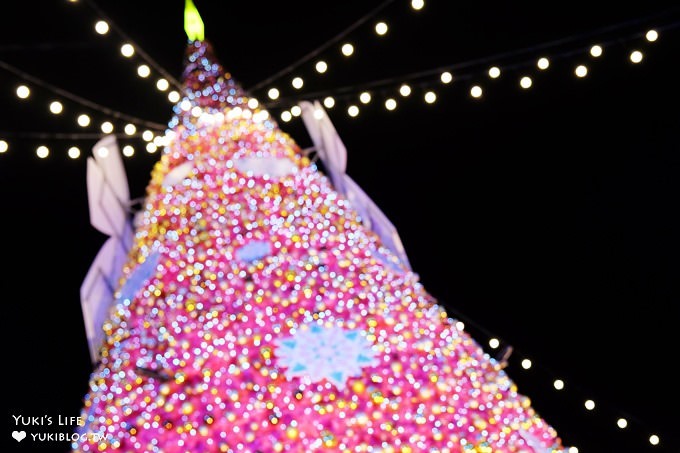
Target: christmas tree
[257,311]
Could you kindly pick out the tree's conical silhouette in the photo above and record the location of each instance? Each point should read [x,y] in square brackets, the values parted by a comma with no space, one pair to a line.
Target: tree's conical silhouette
[257,314]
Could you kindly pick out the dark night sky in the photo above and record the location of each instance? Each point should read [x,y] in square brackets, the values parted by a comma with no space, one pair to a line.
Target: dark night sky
[545,217]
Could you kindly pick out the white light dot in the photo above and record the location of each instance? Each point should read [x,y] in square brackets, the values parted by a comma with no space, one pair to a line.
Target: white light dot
[128,151]
[347,49]
[525,82]
[4,146]
[654,439]
[329,102]
[321,67]
[596,51]
[417,4]
[147,135]
[297,83]
[581,71]
[159,141]
[185,105]
[404,90]
[572,450]
[353,110]
[107,127]
[526,364]
[253,103]
[651,35]
[460,325]
[23,91]
[381,28]
[103,151]
[130,129]
[173,96]
[636,56]
[589,404]
[83,120]
[622,423]
[558,384]
[296,110]
[56,107]
[42,151]
[127,50]
[476,91]
[543,63]
[446,77]
[430,97]
[365,97]
[101,27]
[151,147]
[494,72]
[196,111]
[143,70]
[273,93]
[494,343]
[390,104]
[318,114]
[286,116]
[162,84]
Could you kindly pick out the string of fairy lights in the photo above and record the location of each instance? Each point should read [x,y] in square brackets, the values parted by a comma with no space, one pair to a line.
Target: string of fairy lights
[389,92]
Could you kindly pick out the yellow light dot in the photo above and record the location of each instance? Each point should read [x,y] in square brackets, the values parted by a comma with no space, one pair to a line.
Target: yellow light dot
[430,97]
[654,439]
[162,84]
[494,72]
[83,120]
[596,51]
[417,4]
[590,405]
[42,151]
[296,110]
[321,67]
[151,147]
[130,129]
[143,71]
[147,135]
[476,91]
[652,35]
[128,151]
[101,27]
[273,93]
[494,343]
[526,364]
[56,107]
[297,83]
[404,90]
[365,97]
[525,82]
[4,146]
[107,127]
[543,63]
[381,28]
[127,50]
[581,71]
[347,49]
[286,116]
[446,77]
[73,152]
[23,91]
[390,104]
[558,384]
[636,56]
[329,102]
[353,110]
[622,423]
[173,96]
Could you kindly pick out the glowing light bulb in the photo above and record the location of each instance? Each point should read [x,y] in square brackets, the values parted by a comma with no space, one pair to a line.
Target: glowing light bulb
[494,343]
[273,93]
[297,83]
[253,103]
[147,135]
[365,97]
[329,102]
[622,423]
[321,66]
[130,129]
[589,404]
[353,110]
[494,72]
[4,146]
[23,91]
[107,127]
[151,147]
[173,96]
[101,27]
[42,151]
[446,77]
[128,151]
[347,49]
[73,152]
[526,364]
[654,439]
[636,56]
[558,384]
[127,50]
[543,63]
[162,84]
[286,116]
[525,82]
[596,51]
[476,91]
[651,35]
[83,120]
[404,90]
[572,450]
[381,28]
[56,107]
[296,110]
[581,71]
[460,325]
[430,97]
[390,104]
[143,71]
[417,4]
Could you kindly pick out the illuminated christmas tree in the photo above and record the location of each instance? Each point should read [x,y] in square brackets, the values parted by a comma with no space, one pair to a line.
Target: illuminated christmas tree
[258,311]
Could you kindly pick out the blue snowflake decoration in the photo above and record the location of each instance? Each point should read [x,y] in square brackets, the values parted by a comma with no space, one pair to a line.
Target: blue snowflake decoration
[330,353]
[141,274]
[254,250]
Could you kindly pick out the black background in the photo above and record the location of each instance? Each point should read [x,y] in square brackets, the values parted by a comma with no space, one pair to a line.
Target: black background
[546,217]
